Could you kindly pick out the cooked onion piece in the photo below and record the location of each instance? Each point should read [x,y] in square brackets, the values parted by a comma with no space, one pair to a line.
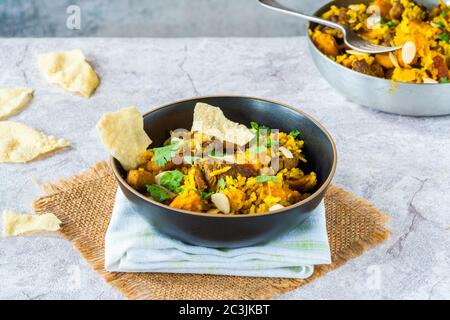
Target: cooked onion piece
[276,207]
[221,201]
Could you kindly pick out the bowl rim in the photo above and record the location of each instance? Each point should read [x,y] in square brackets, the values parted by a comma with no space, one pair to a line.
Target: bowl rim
[311,43]
[316,193]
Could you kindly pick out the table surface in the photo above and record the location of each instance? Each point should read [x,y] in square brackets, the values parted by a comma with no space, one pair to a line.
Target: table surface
[400,164]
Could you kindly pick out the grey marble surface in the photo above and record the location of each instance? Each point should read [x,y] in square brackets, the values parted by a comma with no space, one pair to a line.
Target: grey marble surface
[151,18]
[400,164]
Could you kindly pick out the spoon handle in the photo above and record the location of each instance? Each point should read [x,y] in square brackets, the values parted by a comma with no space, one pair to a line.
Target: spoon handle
[275,5]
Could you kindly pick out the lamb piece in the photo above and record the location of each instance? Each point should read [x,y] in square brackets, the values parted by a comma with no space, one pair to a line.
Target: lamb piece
[343,16]
[361,66]
[441,66]
[287,163]
[373,70]
[384,60]
[397,10]
[388,74]
[200,182]
[385,8]
[377,70]
[326,43]
[302,184]
[139,178]
[244,170]
[334,19]
[340,18]
[388,40]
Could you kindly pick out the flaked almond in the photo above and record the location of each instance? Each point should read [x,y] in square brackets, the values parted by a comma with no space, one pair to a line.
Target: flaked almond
[221,202]
[276,207]
[373,9]
[158,177]
[354,7]
[287,153]
[429,80]
[408,52]
[394,60]
[357,53]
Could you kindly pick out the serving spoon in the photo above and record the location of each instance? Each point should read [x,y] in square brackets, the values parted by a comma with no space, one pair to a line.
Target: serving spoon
[351,39]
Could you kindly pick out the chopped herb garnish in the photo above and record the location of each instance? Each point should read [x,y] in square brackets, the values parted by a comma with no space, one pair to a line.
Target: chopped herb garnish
[261,130]
[294,133]
[221,184]
[444,80]
[262,179]
[166,153]
[444,37]
[206,195]
[389,24]
[157,192]
[172,180]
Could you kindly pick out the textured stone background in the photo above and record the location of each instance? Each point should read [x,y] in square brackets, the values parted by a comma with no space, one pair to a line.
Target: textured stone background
[152,18]
[400,164]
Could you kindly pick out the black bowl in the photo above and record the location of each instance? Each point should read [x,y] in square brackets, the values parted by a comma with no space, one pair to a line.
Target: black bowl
[231,231]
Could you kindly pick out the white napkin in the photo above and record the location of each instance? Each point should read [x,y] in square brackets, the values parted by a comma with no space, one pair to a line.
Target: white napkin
[133,245]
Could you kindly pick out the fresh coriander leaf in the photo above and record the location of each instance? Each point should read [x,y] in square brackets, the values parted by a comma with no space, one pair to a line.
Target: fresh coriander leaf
[444,80]
[260,130]
[157,193]
[389,24]
[166,153]
[262,179]
[206,195]
[172,180]
[294,133]
[444,37]
[221,183]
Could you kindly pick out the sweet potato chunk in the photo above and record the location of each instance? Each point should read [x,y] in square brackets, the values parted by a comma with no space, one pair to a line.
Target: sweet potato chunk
[385,7]
[326,43]
[384,60]
[139,178]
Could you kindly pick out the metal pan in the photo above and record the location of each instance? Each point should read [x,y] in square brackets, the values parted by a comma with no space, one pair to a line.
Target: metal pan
[377,93]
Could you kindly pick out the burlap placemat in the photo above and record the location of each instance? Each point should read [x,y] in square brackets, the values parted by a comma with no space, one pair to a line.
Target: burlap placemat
[84,204]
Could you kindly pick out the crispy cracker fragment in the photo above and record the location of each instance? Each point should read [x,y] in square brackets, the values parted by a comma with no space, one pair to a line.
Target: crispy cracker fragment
[20,143]
[211,121]
[122,133]
[13,101]
[16,224]
[70,70]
